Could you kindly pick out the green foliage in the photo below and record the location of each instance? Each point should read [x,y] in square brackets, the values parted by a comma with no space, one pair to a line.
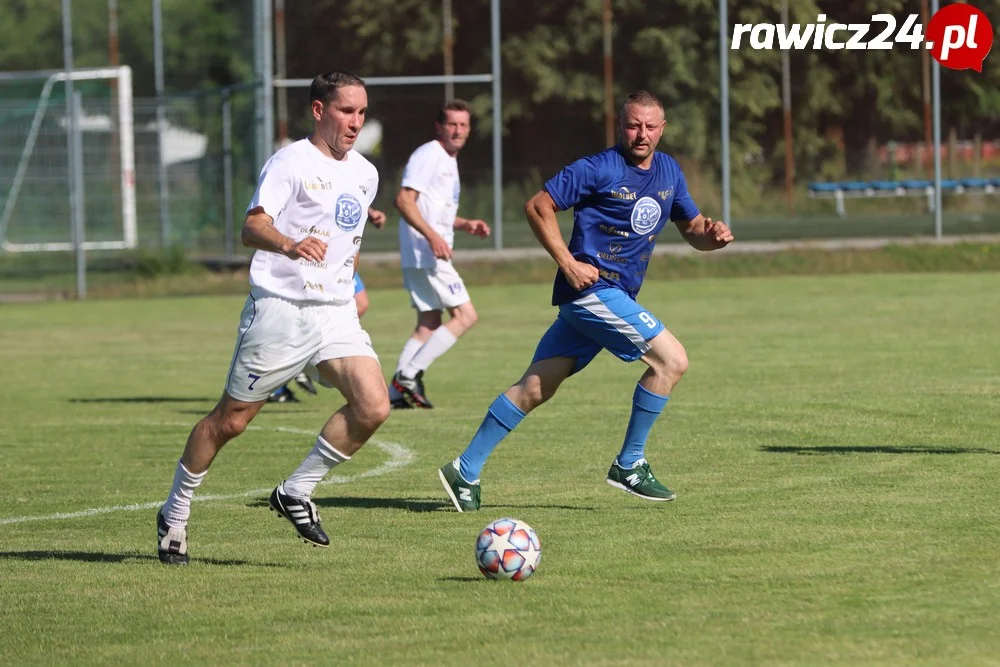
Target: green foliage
[842,101]
[171,261]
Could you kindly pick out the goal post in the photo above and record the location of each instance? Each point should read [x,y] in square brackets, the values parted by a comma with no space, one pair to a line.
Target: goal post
[35,204]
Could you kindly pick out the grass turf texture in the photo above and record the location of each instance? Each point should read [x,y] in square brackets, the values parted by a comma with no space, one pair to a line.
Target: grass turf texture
[833,447]
[170,273]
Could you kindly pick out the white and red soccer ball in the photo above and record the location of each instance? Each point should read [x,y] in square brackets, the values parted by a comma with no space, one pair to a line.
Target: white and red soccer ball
[508,549]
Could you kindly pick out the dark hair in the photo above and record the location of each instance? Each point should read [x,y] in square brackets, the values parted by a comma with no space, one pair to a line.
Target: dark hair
[641,98]
[452,105]
[326,87]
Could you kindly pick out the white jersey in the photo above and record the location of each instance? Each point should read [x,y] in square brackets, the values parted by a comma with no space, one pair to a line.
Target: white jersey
[310,194]
[433,173]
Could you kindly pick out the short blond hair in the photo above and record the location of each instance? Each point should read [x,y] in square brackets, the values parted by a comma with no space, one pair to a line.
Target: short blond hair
[642,98]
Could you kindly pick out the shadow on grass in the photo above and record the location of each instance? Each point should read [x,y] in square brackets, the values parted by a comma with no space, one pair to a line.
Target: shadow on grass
[464,580]
[99,557]
[145,399]
[408,504]
[576,508]
[873,449]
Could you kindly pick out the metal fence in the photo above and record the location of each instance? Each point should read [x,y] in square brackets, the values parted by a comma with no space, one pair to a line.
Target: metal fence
[208,149]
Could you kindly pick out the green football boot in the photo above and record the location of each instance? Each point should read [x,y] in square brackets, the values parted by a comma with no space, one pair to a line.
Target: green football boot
[464,496]
[639,481]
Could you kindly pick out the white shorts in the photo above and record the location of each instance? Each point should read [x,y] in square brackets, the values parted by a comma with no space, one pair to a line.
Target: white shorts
[435,289]
[278,338]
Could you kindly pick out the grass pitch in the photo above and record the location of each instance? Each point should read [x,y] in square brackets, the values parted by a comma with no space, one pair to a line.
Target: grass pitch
[833,446]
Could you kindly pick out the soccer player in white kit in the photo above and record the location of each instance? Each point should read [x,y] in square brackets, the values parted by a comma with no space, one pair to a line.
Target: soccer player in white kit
[305,220]
[428,202]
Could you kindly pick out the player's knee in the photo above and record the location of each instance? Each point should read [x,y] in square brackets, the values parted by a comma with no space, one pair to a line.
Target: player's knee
[532,393]
[670,364]
[465,315]
[371,415]
[676,363]
[469,317]
[230,425]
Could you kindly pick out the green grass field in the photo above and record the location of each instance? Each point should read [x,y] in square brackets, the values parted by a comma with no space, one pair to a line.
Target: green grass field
[833,446]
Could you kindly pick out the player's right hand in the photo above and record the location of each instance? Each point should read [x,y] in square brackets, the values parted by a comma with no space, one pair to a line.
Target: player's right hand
[310,248]
[440,247]
[580,275]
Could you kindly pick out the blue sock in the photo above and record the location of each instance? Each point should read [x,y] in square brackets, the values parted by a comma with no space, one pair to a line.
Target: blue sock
[646,407]
[502,418]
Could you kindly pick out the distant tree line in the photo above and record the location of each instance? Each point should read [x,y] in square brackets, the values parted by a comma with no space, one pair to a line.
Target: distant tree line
[843,102]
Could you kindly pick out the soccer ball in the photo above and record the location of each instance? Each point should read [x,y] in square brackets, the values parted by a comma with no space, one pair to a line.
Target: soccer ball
[508,549]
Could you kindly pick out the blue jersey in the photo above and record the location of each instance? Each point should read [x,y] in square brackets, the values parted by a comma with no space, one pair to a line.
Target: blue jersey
[618,211]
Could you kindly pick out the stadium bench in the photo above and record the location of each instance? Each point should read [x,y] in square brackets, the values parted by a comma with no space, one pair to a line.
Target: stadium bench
[842,191]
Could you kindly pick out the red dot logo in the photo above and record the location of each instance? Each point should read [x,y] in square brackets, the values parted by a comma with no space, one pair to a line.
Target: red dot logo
[960,36]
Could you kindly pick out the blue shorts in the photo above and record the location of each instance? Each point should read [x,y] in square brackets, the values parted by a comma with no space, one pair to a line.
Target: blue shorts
[358,285]
[607,319]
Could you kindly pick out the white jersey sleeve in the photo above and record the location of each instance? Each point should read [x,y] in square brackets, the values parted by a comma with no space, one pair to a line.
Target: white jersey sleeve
[274,188]
[421,169]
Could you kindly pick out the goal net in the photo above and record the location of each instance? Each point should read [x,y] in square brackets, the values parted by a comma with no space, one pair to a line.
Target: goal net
[35,165]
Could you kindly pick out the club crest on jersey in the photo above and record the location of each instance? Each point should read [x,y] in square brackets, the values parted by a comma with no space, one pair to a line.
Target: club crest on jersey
[665,194]
[645,215]
[623,193]
[348,212]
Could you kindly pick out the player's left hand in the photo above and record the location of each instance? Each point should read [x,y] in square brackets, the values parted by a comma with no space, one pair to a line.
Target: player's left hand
[478,228]
[718,232]
[376,217]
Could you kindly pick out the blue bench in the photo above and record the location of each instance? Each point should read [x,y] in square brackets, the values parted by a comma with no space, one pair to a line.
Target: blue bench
[911,188]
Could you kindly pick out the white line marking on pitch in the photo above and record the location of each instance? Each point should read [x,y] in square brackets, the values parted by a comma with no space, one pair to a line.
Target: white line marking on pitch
[399,457]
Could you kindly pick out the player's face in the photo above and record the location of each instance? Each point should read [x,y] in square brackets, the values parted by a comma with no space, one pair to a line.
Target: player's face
[641,128]
[454,132]
[339,121]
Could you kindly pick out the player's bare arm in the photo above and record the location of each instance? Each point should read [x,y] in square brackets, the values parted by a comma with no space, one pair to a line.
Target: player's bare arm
[541,211]
[705,234]
[260,233]
[406,203]
[376,217]
[475,227]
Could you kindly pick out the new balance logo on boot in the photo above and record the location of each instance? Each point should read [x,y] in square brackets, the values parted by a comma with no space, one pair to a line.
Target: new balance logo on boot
[464,495]
[301,512]
[639,481]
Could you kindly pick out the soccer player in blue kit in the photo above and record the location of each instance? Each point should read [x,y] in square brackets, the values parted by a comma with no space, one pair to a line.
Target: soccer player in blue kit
[621,198]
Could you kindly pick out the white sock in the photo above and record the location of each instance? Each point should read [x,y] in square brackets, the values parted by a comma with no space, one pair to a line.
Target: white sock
[313,469]
[177,509]
[436,345]
[411,347]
